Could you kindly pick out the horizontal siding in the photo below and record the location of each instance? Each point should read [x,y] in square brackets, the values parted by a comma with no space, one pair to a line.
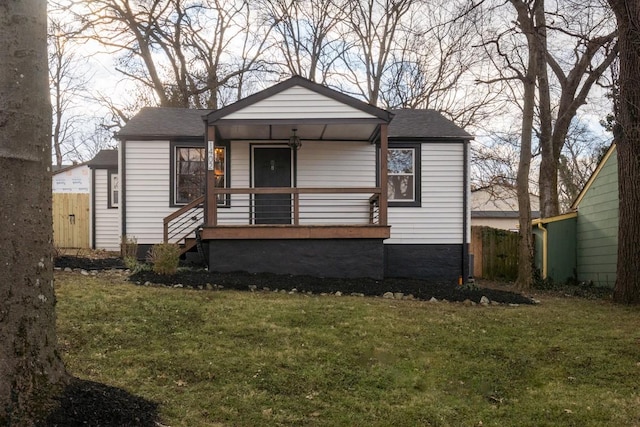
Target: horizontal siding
[147,192]
[439,218]
[297,103]
[597,228]
[106,225]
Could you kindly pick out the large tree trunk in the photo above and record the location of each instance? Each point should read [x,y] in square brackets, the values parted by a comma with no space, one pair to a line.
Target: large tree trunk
[525,246]
[627,137]
[30,367]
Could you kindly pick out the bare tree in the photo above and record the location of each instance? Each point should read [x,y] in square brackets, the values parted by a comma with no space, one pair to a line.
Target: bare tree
[185,52]
[31,370]
[587,28]
[68,79]
[307,37]
[373,26]
[626,133]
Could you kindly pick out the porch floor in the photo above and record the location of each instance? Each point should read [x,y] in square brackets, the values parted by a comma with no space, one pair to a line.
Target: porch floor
[280,231]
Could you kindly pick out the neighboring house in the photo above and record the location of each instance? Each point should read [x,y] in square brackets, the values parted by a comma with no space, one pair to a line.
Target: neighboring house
[301,179]
[583,244]
[105,220]
[497,207]
[71,186]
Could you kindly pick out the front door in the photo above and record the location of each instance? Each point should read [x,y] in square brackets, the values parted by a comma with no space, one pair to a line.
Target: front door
[272,168]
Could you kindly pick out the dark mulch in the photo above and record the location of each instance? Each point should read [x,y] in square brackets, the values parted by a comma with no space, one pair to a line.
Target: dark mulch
[420,289]
[87,403]
[88,263]
[198,277]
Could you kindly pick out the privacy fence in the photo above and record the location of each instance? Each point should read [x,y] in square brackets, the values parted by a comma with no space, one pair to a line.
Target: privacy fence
[495,253]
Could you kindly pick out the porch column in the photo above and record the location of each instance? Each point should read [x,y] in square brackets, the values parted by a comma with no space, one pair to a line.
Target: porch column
[384,145]
[211,205]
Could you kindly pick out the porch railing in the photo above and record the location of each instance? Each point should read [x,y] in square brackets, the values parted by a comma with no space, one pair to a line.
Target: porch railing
[183,222]
[297,206]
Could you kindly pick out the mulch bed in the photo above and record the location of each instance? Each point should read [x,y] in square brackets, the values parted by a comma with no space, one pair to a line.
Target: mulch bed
[420,289]
[87,403]
[198,278]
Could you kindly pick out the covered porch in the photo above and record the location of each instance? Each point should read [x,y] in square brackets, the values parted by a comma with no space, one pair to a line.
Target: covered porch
[291,187]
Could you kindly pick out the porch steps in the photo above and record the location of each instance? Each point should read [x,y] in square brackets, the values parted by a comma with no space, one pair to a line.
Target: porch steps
[189,243]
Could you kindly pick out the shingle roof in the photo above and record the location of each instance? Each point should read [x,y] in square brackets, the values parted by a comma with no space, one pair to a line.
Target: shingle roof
[105,159]
[164,122]
[424,124]
[161,122]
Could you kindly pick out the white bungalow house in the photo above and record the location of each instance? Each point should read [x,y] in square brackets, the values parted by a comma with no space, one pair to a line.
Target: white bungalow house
[300,179]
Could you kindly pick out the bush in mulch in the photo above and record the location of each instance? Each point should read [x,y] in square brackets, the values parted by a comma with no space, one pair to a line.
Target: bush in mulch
[87,403]
[420,289]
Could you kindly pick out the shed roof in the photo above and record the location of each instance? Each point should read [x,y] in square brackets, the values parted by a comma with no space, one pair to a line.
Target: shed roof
[105,159]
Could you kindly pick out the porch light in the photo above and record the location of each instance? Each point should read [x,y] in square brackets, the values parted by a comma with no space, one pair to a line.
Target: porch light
[294,140]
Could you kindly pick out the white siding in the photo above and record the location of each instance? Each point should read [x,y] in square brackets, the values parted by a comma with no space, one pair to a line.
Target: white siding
[106,225]
[147,192]
[296,103]
[336,164]
[238,213]
[439,219]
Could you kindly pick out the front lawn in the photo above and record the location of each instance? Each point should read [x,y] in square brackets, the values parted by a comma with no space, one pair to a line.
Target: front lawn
[229,358]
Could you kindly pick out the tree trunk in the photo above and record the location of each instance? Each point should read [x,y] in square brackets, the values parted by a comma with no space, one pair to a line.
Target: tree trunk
[30,366]
[525,247]
[627,137]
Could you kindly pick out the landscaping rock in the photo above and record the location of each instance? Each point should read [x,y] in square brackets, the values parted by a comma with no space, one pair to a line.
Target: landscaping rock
[484,300]
[388,295]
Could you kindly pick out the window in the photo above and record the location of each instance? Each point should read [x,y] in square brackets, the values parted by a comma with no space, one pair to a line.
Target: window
[190,174]
[114,189]
[403,187]
[219,163]
[190,171]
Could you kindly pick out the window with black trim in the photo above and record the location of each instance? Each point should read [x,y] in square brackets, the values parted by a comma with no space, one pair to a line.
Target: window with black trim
[114,189]
[190,171]
[190,174]
[403,174]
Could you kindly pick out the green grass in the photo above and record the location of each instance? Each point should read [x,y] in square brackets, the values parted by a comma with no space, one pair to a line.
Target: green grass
[263,359]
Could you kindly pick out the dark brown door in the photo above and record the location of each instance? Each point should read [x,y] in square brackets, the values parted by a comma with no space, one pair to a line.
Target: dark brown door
[272,168]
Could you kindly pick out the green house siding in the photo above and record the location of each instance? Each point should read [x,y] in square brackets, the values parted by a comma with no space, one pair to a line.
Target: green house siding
[561,247]
[597,228]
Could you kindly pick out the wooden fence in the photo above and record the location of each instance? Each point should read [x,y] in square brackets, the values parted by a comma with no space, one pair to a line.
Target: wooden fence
[495,253]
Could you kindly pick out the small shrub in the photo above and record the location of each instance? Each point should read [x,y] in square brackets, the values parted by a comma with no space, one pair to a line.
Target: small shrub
[129,250]
[165,258]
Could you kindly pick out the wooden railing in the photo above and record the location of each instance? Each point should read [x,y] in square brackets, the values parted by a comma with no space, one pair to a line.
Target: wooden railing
[299,205]
[183,222]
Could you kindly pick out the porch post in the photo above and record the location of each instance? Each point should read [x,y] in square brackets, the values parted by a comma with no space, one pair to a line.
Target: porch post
[211,202]
[384,145]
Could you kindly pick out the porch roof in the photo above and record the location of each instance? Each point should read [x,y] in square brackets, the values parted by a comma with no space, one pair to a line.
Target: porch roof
[314,111]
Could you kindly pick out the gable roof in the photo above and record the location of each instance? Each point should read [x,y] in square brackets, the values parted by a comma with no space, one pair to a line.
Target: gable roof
[594,175]
[302,82]
[55,169]
[105,159]
[424,124]
[164,122]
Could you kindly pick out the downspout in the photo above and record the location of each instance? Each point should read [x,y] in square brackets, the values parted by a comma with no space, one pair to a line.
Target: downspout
[544,249]
[465,194]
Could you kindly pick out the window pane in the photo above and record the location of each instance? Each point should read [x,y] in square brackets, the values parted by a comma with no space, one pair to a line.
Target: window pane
[400,161]
[401,188]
